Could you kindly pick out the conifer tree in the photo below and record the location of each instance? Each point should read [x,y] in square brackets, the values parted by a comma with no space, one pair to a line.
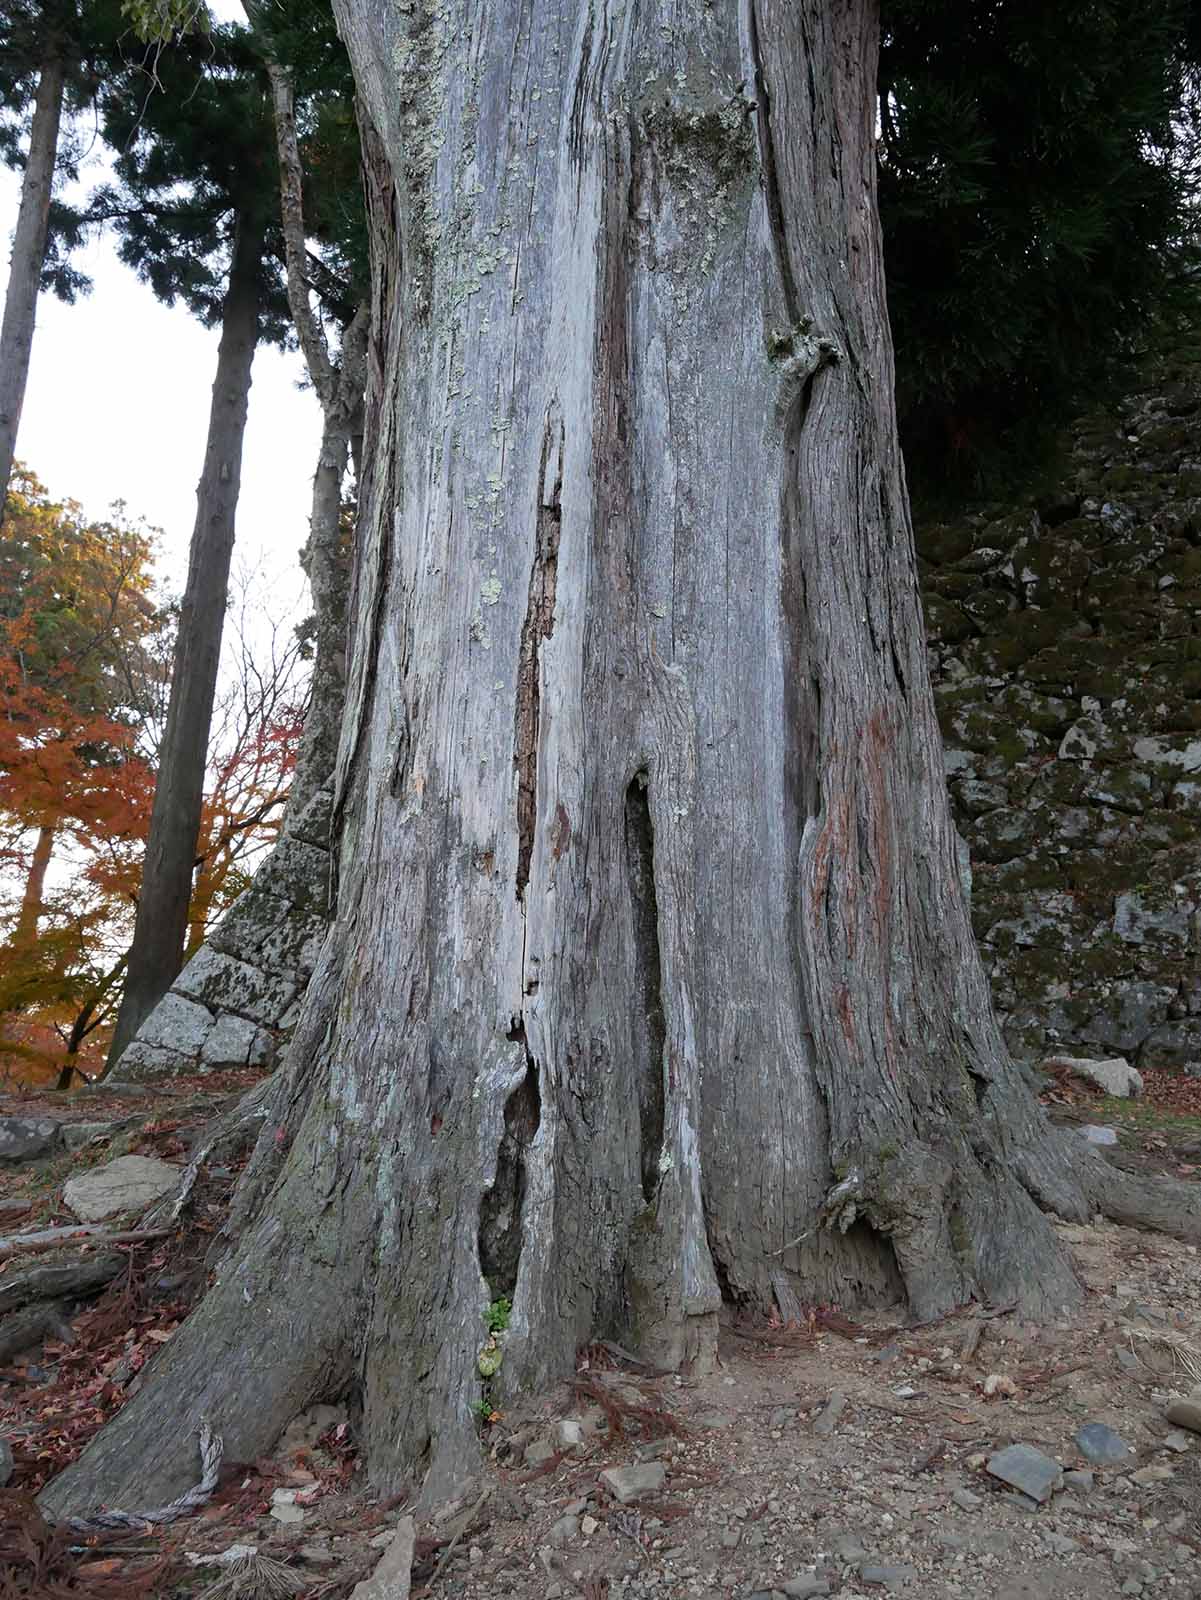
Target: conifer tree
[1037,177]
[54,56]
[275,100]
[196,204]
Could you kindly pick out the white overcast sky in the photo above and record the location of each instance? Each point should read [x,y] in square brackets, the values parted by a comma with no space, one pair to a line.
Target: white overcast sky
[117,409]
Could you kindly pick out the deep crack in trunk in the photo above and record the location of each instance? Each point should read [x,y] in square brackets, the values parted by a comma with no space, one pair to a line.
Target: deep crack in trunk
[651,1033]
[538,626]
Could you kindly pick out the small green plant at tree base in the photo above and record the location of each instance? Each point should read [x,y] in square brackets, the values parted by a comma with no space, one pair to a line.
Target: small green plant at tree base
[496,1317]
[496,1320]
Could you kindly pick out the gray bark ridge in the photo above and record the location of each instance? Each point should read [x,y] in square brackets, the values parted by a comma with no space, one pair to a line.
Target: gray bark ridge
[166,889]
[28,258]
[651,980]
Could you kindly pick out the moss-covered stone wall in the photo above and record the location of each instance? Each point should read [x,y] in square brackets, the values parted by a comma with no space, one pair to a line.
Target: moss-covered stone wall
[1065,647]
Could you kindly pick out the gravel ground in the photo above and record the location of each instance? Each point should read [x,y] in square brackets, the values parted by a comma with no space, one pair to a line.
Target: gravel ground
[847,1460]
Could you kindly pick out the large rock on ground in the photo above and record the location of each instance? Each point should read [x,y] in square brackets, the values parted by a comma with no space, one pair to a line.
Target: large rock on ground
[130,1183]
[1115,1076]
[27,1138]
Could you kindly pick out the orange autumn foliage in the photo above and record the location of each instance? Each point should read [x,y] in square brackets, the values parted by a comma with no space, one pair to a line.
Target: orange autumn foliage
[84,655]
[78,685]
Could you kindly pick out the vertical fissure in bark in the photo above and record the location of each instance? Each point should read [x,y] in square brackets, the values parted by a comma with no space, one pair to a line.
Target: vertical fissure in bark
[773,199]
[502,1204]
[802,678]
[647,964]
[538,626]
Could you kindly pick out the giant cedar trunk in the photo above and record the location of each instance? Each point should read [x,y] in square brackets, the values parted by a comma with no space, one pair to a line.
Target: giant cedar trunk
[156,953]
[652,981]
[28,258]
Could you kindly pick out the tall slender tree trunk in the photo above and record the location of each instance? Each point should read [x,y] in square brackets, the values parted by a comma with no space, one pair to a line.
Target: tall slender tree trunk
[157,951]
[339,388]
[33,897]
[652,984]
[28,256]
[326,562]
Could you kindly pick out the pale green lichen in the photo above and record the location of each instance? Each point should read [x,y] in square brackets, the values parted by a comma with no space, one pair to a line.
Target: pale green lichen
[699,132]
[419,58]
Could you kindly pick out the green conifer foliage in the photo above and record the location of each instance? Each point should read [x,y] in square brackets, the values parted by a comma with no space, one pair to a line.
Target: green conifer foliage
[1037,168]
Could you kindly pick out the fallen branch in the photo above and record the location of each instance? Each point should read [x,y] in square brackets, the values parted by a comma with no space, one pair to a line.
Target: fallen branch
[58,1280]
[51,1238]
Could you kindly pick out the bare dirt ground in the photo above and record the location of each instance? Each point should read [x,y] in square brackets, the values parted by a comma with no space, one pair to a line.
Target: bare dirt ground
[842,1457]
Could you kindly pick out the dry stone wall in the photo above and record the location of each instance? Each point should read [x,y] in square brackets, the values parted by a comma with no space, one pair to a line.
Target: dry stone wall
[1065,648]
[236,1001]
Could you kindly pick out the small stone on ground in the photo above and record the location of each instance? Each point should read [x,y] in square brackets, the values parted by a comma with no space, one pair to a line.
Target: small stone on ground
[393,1578]
[1027,1469]
[828,1421]
[1186,1413]
[1102,1446]
[890,1578]
[1095,1134]
[629,1484]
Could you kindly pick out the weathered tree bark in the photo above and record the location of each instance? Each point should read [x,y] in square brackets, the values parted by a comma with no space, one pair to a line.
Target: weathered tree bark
[156,953]
[652,982]
[28,257]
